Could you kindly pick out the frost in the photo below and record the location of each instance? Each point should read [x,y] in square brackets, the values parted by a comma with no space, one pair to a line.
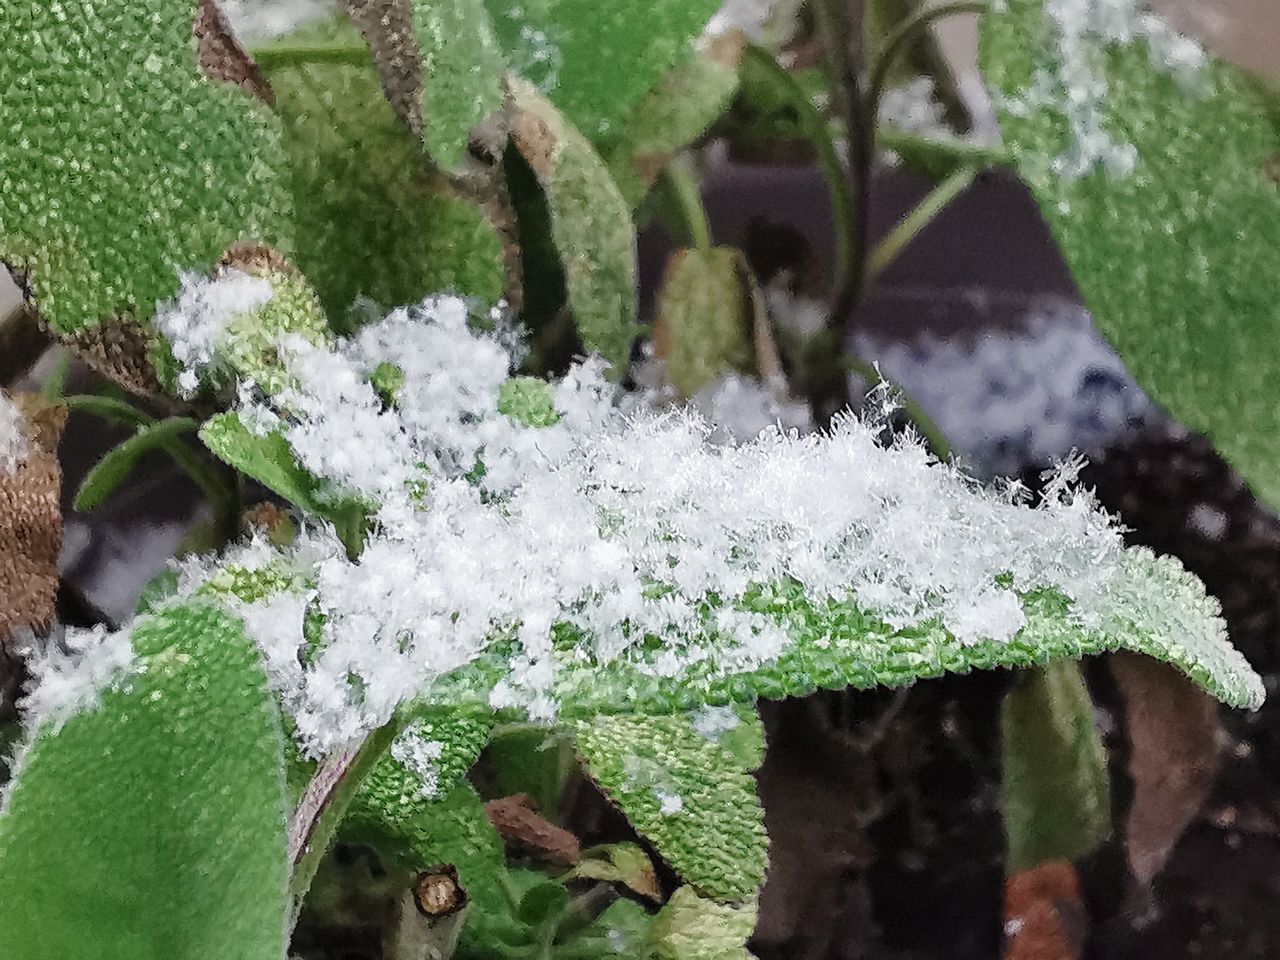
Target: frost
[13,436]
[741,408]
[69,674]
[714,722]
[914,107]
[1076,85]
[669,804]
[195,324]
[768,22]
[412,750]
[606,529]
[266,19]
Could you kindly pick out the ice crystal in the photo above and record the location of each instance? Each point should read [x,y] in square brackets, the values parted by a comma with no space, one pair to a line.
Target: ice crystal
[267,19]
[69,673]
[669,804]
[412,750]
[196,322]
[13,436]
[609,529]
[1076,84]
[714,722]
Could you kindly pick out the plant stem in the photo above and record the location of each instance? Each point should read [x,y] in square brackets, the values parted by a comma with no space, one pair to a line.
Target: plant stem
[893,243]
[292,54]
[900,37]
[843,47]
[929,431]
[684,204]
[818,132]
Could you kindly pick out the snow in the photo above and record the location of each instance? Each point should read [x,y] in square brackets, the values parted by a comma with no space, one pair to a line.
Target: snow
[70,673]
[669,804]
[412,750]
[712,723]
[615,525]
[1075,85]
[13,436]
[255,20]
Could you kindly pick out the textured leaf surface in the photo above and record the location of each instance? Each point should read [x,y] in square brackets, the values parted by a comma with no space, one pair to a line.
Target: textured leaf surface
[703,323]
[590,224]
[839,645]
[686,794]
[592,60]
[128,827]
[1177,260]
[417,827]
[691,928]
[1056,788]
[120,160]
[670,117]
[370,223]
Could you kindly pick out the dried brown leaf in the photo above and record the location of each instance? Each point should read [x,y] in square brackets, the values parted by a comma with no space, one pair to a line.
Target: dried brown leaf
[1044,916]
[526,831]
[222,58]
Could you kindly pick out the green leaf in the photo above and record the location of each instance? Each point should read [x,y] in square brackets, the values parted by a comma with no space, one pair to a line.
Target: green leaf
[1162,611]
[529,401]
[417,826]
[670,117]
[595,61]
[121,161]
[704,317]
[371,222]
[624,863]
[620,933]
[691,928]
[1056,791]
[1177,260]
[686,794]
[112,470]
[532,759]
[590,224]
[129,824]
[269,459]
[544,904]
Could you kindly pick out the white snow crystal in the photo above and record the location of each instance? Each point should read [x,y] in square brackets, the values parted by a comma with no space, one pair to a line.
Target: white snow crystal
[1077,87]
[714,722]
[266,19]
[13,436]
[69,673]
[613,526]
[669,804]
[419,756]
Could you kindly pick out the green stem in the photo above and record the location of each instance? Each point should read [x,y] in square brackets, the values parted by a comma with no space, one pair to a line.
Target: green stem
[929,431]
[293,54]
[893,243]
[684,204]
[818,133]
[206,477]
[898,40]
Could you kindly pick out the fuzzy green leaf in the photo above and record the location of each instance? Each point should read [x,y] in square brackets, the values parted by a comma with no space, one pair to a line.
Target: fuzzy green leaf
[129,825]
[114,468]
[691,928]
[1056,789]
[670,117]
[269,459]
[594,61]
[418,826]
[370,222]
[590,224]
[703,322]
[686,794]
[121,161]
[1177,259]
[837,645]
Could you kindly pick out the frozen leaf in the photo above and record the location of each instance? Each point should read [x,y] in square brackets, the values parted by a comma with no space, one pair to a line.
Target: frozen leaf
[691,928]
[167,795]
[686,795]
[704,319]
[671,116]
[1151,162]
[30,515]
[590,224]
[121,160]
[1056,792]
[370,221]
[593,61]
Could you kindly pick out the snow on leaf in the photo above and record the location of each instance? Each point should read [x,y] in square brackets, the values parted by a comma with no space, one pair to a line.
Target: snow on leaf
[685,794]
[121,160]
[174,784]
[609,561]
[1149,161]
